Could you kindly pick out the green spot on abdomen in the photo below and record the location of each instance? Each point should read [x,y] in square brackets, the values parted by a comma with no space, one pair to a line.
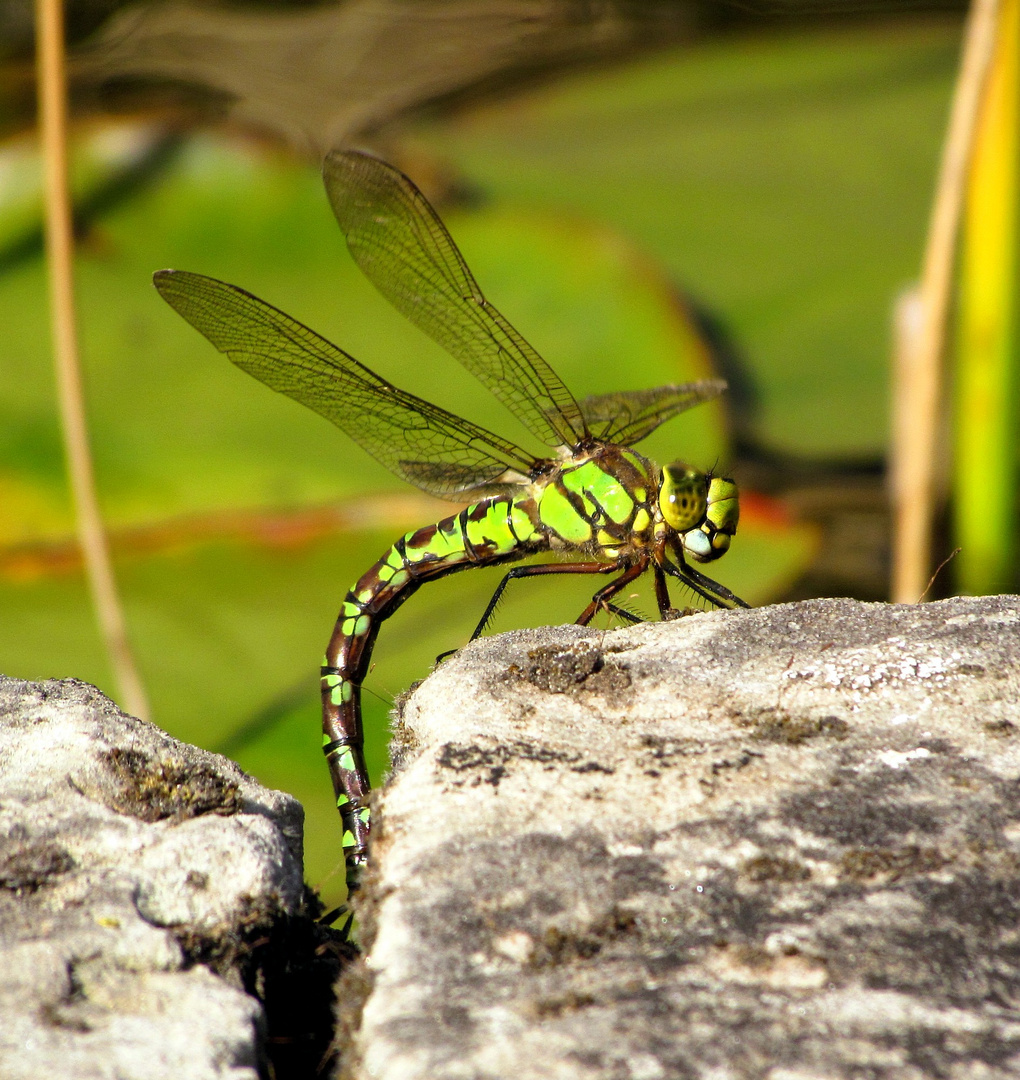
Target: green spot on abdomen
[492,531]
[440,545]
[356,627]
[341,692]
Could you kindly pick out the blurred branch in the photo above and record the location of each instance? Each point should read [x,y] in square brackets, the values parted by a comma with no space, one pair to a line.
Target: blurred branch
[918,394]
[362,62]
[60,253]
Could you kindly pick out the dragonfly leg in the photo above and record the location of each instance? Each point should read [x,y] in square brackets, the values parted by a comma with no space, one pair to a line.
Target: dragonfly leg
[662,598]
[704,586]
[623,613]
[534,571]
[599,600]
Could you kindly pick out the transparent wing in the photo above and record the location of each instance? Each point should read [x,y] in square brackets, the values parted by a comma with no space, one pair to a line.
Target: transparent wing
[433,449]
[628,417]
[404,249]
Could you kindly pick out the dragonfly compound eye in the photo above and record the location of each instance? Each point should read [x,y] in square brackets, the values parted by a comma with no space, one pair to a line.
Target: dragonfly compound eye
[711,538]
[683,496]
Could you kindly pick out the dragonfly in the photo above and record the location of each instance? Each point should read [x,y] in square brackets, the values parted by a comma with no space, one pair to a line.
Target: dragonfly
[594,503]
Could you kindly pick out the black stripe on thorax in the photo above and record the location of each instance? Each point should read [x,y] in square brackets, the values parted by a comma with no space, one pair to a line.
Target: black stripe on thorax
[510,520]
[599,519]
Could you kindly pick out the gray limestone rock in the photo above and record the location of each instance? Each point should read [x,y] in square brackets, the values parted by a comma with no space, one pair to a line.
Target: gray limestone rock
[778,843]
[125,857]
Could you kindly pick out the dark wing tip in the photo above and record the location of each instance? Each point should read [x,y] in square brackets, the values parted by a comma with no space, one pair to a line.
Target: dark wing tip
[186,284]
[169,282]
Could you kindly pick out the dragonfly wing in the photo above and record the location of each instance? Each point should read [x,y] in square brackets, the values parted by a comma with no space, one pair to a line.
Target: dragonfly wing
[431,448]
[402,247]
[628,417]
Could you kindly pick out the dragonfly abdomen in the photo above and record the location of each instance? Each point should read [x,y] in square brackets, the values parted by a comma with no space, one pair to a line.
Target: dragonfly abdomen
[495,530]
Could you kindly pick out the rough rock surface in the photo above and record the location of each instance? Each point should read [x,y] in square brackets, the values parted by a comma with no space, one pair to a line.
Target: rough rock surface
[778,843]
[125,857]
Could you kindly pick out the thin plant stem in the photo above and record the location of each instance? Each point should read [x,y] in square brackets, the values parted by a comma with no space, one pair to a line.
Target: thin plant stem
[52,91]
[915,444]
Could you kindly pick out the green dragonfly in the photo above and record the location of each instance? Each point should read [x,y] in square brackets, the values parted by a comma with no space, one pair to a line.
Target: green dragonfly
[593,498]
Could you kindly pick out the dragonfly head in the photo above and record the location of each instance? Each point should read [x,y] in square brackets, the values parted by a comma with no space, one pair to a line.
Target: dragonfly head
[703,509]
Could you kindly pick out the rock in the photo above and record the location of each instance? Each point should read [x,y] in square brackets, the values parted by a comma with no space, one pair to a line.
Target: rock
[135,873]
[778,843]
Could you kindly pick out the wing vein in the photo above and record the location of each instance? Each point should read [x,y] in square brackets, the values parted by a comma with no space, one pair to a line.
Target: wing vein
[435,450]
[404,249]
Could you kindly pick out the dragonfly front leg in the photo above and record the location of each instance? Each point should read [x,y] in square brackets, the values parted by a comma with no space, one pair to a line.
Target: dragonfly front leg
[666,610]
[704,586]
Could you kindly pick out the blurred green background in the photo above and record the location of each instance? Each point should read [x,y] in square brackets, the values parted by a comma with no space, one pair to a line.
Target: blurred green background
[778,180]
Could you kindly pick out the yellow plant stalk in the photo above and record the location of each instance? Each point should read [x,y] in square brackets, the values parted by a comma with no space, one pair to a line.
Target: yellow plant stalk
[52,89]
[988,354]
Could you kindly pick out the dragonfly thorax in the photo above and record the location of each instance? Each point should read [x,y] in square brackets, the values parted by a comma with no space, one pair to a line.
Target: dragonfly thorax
[602,501]
[703,509]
